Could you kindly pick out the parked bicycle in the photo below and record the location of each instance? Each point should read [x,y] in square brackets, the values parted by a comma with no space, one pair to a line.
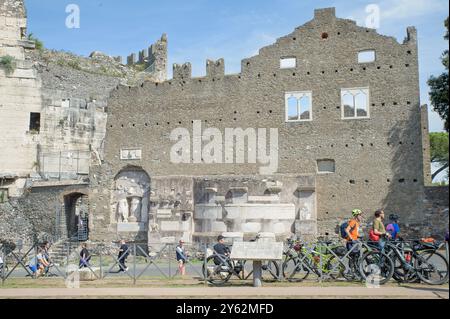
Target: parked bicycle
[301,261]
[418,261]
[219,269]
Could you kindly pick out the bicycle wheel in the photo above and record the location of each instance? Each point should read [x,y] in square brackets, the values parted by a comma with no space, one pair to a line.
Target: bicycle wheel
[294,270]
[377,267]
[432,267]
[351,273]
[270,270]
[333,268]
[401,272]
[217,270]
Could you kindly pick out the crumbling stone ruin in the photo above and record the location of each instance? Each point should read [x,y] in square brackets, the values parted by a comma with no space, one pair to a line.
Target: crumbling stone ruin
[343,99]
[53,112]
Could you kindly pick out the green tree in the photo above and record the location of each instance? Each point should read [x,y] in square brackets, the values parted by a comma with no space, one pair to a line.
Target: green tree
[439,87]
[439,151]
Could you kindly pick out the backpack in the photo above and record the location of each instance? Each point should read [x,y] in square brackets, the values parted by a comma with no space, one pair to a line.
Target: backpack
[373,236]
[342,229]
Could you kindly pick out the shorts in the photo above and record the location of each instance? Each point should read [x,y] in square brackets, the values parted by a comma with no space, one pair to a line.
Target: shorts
[33,268]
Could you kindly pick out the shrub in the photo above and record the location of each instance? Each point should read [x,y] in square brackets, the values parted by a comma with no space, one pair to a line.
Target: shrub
[8,64]
[38,43]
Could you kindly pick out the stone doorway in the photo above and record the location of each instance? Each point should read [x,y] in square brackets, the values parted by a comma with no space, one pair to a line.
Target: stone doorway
[76,214]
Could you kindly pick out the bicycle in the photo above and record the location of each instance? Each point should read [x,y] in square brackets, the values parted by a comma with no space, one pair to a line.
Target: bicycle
[417,262]
[432,267]
[301,261]
[270,270]
[376,264]
[218,269]
[403,257]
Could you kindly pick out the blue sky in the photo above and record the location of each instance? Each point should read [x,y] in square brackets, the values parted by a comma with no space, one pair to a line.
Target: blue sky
[232,29]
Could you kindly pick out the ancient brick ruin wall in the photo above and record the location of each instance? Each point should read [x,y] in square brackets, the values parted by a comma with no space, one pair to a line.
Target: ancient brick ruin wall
[153,60]
[379,160]
[74,100]
[382,155]
[70,93]
[33,216]
[435,221]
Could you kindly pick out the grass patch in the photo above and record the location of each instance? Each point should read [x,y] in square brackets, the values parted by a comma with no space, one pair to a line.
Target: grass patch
[8,63]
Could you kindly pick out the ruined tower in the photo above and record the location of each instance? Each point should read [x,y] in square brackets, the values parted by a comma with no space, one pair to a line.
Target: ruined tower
[154,60]
[20,103]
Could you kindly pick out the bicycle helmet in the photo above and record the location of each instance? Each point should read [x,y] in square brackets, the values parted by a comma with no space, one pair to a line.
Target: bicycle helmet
[393,217]
[356,212]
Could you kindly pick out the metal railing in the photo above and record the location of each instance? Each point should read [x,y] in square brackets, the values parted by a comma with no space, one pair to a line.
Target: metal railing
[138,263]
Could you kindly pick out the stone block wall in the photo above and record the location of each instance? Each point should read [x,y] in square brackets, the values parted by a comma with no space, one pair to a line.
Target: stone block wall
[33,216]
[378,160]
[435,222]
[20,96]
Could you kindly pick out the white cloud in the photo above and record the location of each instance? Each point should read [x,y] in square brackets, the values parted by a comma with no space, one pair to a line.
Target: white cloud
[393,10]
[401,9]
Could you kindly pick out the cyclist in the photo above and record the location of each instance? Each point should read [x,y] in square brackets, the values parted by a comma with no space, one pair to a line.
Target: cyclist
[378,228]
[352,229]
[221,249]
[393,228]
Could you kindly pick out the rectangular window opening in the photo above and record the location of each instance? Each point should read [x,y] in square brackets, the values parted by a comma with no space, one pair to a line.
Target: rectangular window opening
[326,166]
[35,122]
[288,63]
[366,56]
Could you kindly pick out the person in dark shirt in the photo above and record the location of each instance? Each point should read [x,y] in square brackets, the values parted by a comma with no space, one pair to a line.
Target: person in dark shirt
[123,254]
[181,257]
[221,249]
[85,256]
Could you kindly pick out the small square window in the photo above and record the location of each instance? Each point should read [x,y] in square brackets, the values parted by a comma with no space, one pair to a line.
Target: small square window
[298,106]
[288,63]
[366,56]
[326,166]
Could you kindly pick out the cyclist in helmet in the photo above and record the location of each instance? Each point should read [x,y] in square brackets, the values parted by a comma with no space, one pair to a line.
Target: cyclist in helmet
[352,229]
[393,228]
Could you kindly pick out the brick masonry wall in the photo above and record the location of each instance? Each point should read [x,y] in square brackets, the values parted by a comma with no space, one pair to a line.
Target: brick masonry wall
[379,161]
[436,212]
[33,216]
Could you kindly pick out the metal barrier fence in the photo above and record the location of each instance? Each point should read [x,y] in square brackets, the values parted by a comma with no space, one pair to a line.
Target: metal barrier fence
[136,262]
[322,260]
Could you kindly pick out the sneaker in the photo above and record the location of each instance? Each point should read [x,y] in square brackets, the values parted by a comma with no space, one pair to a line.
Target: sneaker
[126,269]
